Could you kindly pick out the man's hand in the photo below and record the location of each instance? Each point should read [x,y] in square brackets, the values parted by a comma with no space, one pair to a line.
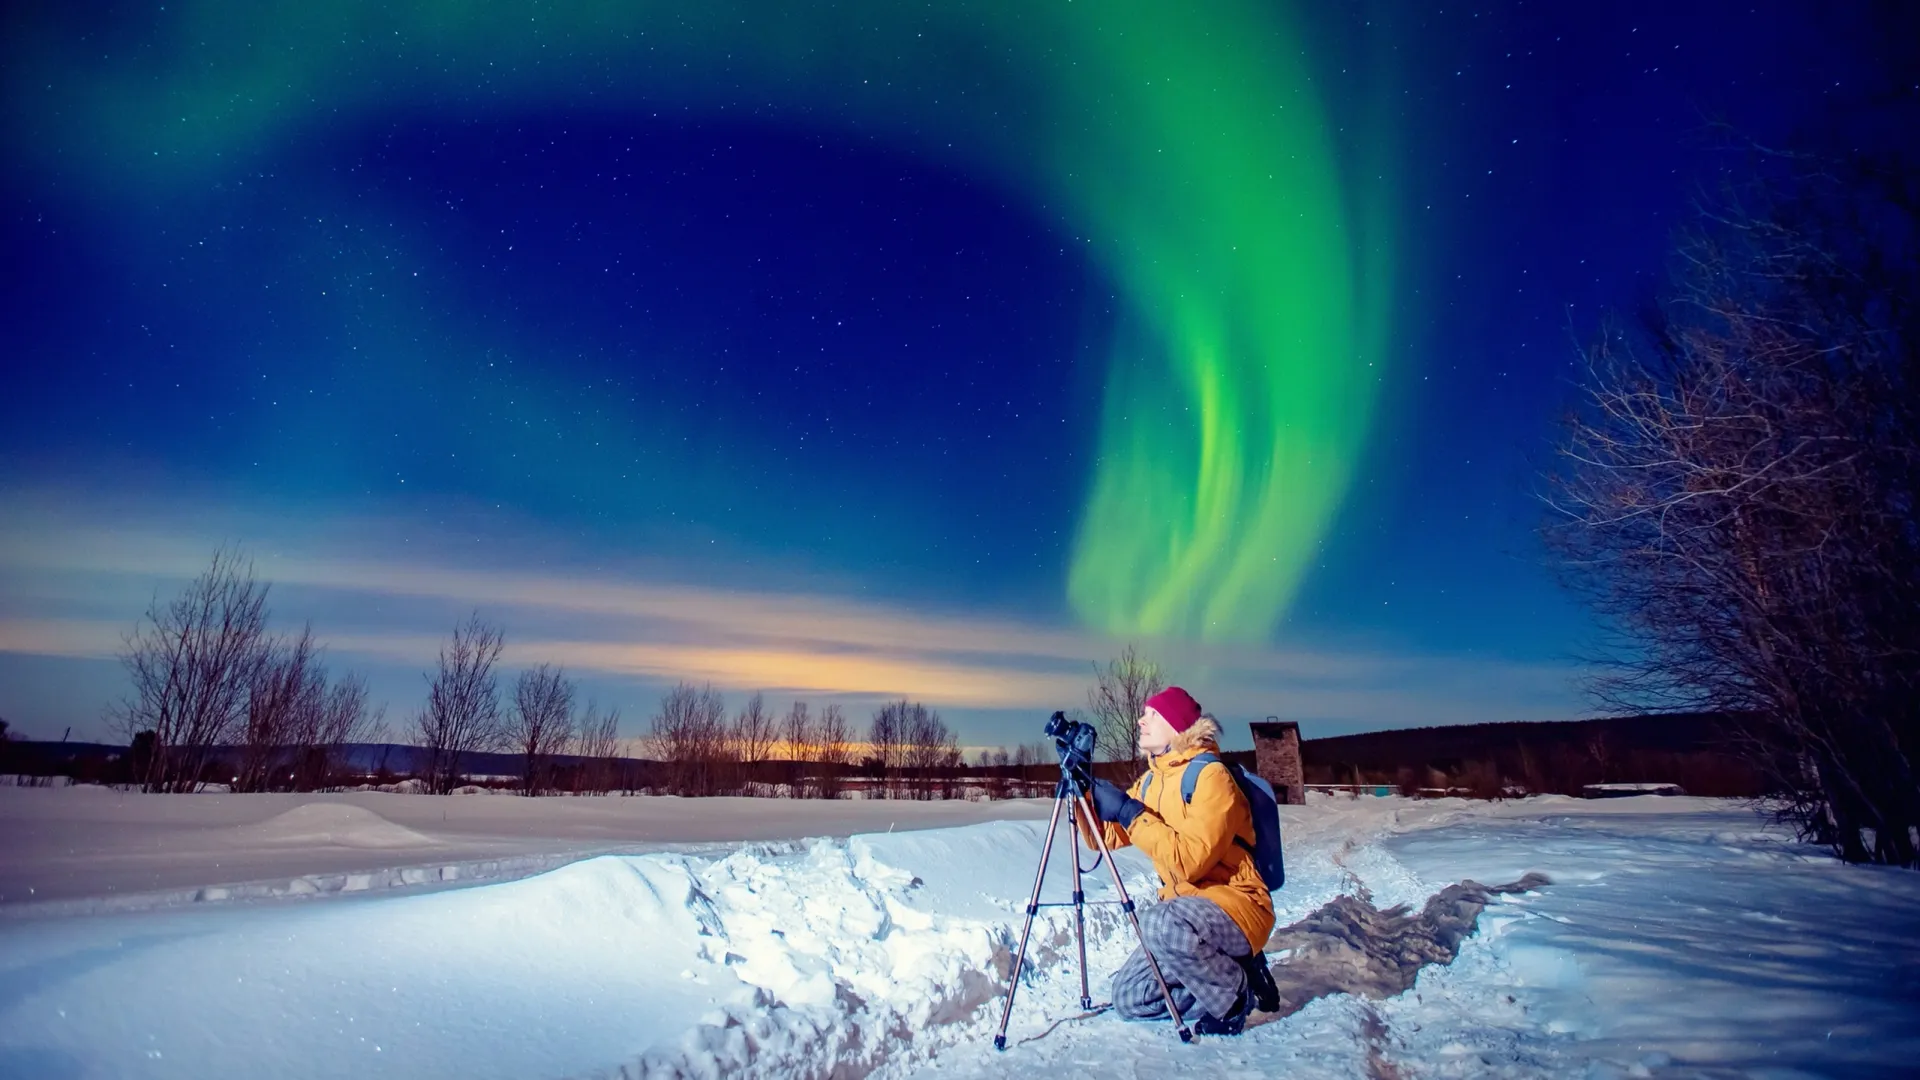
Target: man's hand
[1114,804]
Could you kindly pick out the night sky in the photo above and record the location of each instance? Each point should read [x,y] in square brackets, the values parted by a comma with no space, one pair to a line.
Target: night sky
[869,350]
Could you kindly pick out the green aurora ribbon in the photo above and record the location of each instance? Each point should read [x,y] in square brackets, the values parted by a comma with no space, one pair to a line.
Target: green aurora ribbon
[1184,143]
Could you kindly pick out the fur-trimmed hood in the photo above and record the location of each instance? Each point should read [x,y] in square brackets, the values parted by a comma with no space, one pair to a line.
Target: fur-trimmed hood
[1204,730]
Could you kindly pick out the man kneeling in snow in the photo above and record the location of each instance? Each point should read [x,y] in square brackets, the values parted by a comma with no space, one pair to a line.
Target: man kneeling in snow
[1215,912]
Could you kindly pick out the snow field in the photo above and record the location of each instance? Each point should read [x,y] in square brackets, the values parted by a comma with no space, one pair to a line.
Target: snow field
[1682,940]
[778,959]
[90,850]
[1679,939]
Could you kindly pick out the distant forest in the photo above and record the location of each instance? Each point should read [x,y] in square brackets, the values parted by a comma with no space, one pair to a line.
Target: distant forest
[1487,760]
[1472,760]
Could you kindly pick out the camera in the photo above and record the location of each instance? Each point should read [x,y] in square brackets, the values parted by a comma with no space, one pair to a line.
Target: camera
[1073,740]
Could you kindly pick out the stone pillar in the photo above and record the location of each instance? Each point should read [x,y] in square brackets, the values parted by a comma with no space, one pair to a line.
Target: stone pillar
[1276,757]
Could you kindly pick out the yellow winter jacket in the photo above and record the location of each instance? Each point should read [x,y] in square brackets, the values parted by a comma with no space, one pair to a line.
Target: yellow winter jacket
[1192,844]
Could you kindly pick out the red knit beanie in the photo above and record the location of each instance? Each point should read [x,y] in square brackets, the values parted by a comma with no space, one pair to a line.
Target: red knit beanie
[1177,706]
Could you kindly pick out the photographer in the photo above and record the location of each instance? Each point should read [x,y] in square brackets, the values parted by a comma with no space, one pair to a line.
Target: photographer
[1215,912]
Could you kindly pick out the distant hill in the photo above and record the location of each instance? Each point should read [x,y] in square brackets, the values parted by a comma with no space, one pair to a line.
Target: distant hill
[47,758]
[1689,749]
[1377,749]
[406,760]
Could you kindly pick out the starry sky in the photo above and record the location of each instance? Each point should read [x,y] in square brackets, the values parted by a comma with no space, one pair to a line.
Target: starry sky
[860,351]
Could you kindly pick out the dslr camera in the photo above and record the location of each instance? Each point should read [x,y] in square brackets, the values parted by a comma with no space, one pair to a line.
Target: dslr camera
[1073,740]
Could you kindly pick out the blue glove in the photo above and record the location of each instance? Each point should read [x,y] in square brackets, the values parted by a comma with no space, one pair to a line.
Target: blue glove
[1114,804]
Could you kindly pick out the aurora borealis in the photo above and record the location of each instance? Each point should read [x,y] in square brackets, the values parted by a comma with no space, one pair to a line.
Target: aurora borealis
[1201,174]
[1117,320]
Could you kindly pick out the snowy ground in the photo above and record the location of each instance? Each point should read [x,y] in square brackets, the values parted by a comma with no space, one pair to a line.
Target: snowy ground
[92,849]
[1678,938]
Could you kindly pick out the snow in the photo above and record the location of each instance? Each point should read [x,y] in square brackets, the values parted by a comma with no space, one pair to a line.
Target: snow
[1703,937]
[1678,937]
[1615,791]
[93,849]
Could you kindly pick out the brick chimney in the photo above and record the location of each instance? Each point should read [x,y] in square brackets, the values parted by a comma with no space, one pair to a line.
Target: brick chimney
[1276,757]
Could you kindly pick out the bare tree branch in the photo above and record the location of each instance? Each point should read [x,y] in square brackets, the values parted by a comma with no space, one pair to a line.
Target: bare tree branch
[193,663]
[462,714]
[540,724]
[1736,496]
[753,735]
[1118,698]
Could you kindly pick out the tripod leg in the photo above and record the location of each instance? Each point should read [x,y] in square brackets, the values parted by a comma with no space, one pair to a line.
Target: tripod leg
[1079,906]
[1083,806]
[1033,908]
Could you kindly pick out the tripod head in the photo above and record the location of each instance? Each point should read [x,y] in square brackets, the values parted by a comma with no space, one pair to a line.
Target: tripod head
[1074,741]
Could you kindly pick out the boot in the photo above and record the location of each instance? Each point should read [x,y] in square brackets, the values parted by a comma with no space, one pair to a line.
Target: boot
[1232,1024]
[1266,995]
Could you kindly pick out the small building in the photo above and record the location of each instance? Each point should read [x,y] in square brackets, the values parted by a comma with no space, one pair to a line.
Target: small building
[1276,757]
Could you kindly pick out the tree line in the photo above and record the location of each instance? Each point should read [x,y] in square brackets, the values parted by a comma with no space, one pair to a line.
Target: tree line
[217,697]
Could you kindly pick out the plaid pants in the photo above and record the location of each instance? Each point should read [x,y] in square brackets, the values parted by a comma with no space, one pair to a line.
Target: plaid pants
[1195,943]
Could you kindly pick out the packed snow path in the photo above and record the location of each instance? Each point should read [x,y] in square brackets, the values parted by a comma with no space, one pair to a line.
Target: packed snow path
[1679,938]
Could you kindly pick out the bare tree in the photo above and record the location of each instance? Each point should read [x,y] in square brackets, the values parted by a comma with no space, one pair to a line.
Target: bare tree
[672,736]
[335,718]
[306,761]
[598,748]
[192,663]
[831,751]
[883,749]
[993,764]
[689,736]
[755,731]
[1033,761]
[796,732]
[1117,699]
[949,765]
[540,723]
[1737,488]
[284,701]
[921,731]
[462,715]
[298,719]
[888,742]
[928,749]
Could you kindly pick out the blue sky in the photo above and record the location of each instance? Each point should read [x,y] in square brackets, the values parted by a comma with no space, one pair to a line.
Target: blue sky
[705,386]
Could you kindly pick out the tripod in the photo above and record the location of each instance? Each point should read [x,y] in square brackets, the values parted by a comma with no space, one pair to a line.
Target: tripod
[1071,795]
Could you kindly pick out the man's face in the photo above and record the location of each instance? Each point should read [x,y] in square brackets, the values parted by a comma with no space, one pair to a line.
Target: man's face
[1155,733]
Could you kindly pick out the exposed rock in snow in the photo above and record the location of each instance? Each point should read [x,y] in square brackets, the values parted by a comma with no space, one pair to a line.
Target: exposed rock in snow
[1351,947]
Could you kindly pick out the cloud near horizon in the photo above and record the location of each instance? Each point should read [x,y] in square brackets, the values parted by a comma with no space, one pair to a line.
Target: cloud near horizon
[77,581]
